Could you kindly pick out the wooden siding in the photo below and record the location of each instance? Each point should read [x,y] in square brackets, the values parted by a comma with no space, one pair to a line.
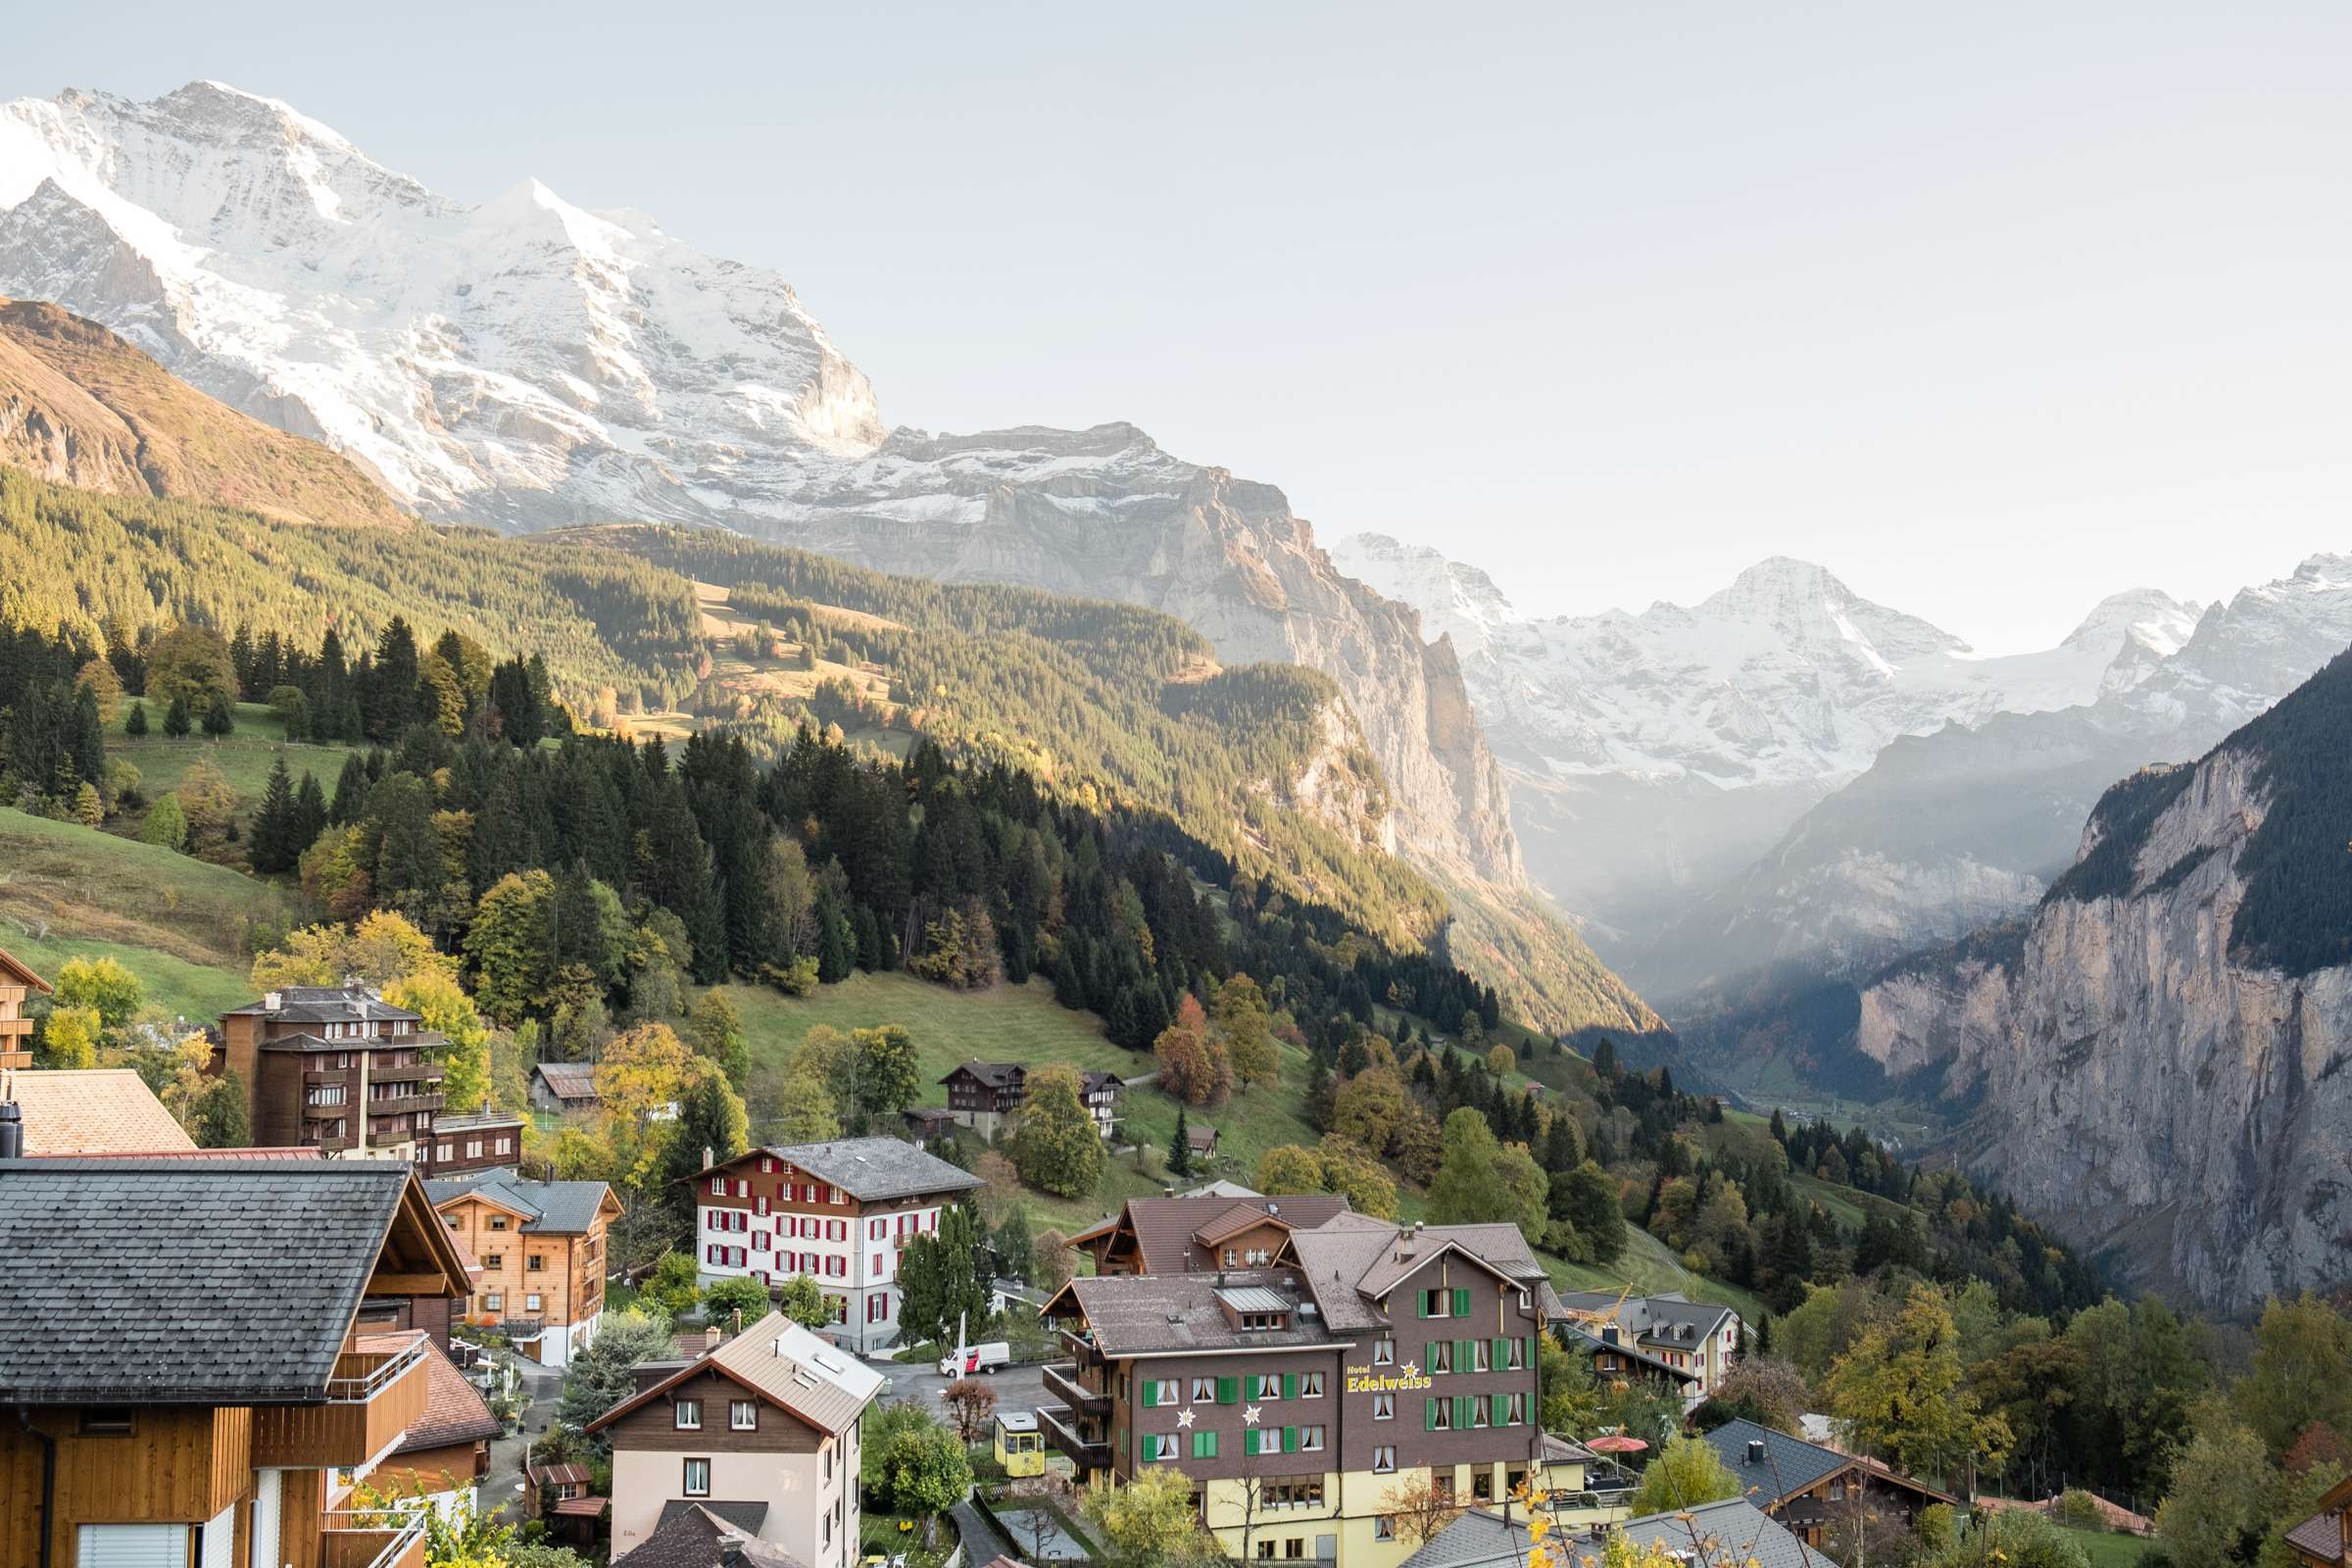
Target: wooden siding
[654,1426]
[176,1466]
[344,1432]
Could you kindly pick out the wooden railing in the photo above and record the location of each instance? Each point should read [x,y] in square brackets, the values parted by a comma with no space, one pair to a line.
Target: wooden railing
[373,1538]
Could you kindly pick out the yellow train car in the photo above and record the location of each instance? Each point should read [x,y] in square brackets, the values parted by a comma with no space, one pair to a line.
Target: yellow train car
[1020,1447]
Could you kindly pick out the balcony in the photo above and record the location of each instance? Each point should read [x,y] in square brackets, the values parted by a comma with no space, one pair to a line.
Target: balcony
[423,1097]
[370,1400]
[1062,1383]
[414,1073]
[373,1538]
[1084,1453]
[327,1112]
[1083,1353]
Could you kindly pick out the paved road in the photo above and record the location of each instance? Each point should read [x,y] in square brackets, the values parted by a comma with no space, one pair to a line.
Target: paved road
[1019,1388]
[501,1491]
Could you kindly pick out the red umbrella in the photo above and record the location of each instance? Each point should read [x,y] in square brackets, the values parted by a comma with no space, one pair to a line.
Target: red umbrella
[1617,1443]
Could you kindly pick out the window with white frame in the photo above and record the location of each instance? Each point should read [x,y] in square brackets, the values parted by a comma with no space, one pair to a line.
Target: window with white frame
[1310,1384]
[743,1415]
[697,1478]
[1384,1459]
[1384,1353]
[687,1415]
[1383,1408]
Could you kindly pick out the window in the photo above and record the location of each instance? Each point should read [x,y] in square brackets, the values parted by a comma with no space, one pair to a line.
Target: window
[538,1263]
[1265,1550]
[473,1149]
[1383,1408]
[1437,1416]
[1441,1355]
[1160,1391]
[494,1260]
[1384,1528]
[1310,1384]
[1479,1356]
[1230,1260]
[494,1300]
[106,1421]
[697,1478]
[1159,1445]
[1514,1410]
[441,1153]
[1204,1391]
[506,1146]
[1310,1438]
[828,1461]
[1482,1411]
[719,1186]
[498,1222]
[531,1303]
[1384,1353]
[1384,1459]
[1482,1485]
[687,1414]
[1434,1303]
[1265,1385]
[826,1538]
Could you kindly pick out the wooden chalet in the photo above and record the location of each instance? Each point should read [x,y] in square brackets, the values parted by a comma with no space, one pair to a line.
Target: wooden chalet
[185,1382]
[18,982]
[2324,1539]
[1187,1235]
[1806,1487]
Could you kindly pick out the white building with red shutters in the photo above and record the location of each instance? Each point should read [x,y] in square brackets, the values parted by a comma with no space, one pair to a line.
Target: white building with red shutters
[839,1213]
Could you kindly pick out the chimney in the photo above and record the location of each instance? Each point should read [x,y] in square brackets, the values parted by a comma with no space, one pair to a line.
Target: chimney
[271,1001]
[1756,1450]
[1169,1191]
[12,1130]
[709,1157]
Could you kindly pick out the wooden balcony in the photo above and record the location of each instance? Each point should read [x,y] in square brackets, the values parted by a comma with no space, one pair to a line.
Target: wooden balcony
[414,1073]
[1087,1454]
[372,1399]
[372,1539]
[1083,1353]
[1062,1383]
[423,1097]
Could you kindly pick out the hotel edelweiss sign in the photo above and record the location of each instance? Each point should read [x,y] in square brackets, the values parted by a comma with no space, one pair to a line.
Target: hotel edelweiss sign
[1399,1380]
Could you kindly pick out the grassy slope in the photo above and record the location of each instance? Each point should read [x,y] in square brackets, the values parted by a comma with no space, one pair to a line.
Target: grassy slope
[245,755]
[61,897]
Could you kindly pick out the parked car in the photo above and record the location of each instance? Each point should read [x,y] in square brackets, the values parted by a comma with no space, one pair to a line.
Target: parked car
[982,1358]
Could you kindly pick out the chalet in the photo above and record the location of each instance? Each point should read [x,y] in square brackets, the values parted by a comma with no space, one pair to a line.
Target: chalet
[1806,1487]
[2324,1539]
[839,1213]
[546,1485]
[984,1095]
[1615,1358]
[1100,1091]
[198,1395]
[926,1124]
[92,1111]
[1732,1534]
[564,1087]
[1200,1139]
[471,1140]
[764,1431]
[1687,1335]
[16,983]
[699,1535]
[1185,1235]
[1301,1397]
[337,1067]
[444,1455]
[541,1251]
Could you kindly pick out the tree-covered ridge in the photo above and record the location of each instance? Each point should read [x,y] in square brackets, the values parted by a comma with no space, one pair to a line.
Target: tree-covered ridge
[2297,911]
[111,571]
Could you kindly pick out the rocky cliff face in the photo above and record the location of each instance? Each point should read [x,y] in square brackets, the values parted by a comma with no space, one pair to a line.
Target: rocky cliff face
[2144,1081]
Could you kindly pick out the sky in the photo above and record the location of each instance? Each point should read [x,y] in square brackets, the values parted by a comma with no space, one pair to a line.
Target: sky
[1992,310]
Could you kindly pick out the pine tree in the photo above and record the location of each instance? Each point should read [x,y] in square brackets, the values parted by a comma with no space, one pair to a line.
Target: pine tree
[275,825]
[135,724]
[351,791]
[310,814]
[1179,1149]
[219,718]
[177,720]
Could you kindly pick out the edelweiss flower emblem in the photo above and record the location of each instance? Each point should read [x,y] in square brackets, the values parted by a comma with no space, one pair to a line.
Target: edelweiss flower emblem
[1184,1418]
[1409,1370]
[1250,1416]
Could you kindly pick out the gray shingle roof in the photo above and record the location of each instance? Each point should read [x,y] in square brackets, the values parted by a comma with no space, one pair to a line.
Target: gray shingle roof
[559,1209]
[567,1080]
[2321,1536]
[742,1515]
[873,1170]
[1719,1535]
[326,1004]
[994,1074]
[1789,1464]
[1141,1314]
[184,1282]
[702,1535]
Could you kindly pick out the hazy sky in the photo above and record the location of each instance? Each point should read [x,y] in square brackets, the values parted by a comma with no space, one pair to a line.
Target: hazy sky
[1992,309]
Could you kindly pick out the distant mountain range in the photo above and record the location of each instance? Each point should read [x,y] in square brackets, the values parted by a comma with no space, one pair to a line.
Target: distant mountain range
[527,364]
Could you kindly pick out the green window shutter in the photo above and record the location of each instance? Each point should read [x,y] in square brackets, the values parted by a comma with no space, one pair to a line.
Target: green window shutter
[1502,1353]
[1290,1384]
[1465,1355]
[1250,1440]
[1151,1393]
[1421,1302]
[1290,1439]
[1461,1412]
[1429,1415]
[1461,1301]
[1205,1445]
[1228,1389]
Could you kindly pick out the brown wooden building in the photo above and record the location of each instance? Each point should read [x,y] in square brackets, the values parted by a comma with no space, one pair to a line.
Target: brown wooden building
[463,1142]
[197,1394]
[1806,1487]
[1186,1235]
[2324,1539]
[540,1250]
[16,984]
[336,1068]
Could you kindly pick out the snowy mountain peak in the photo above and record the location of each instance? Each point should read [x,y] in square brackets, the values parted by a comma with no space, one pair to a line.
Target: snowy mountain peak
[1456,599]
[2149,618]
[1809,606]
[525,363]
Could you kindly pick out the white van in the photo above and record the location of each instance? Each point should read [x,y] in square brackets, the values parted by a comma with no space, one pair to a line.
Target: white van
[977,1358]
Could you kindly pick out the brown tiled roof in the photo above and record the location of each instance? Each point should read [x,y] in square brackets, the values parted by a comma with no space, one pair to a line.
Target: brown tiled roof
[556,1475]
[21,973]
[569,1080]
[1164,1227]
[582,1507]
[94,1110]
[1199,1135]
[453,1412]
[994,1074]
[2320,1536]
[1350,1265]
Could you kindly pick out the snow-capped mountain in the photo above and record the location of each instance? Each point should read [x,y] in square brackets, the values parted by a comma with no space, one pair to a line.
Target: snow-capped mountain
[522,363]
[527,364]
[1653,756]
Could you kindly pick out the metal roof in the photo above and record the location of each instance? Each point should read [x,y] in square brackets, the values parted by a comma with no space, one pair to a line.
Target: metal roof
[1256,1299]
